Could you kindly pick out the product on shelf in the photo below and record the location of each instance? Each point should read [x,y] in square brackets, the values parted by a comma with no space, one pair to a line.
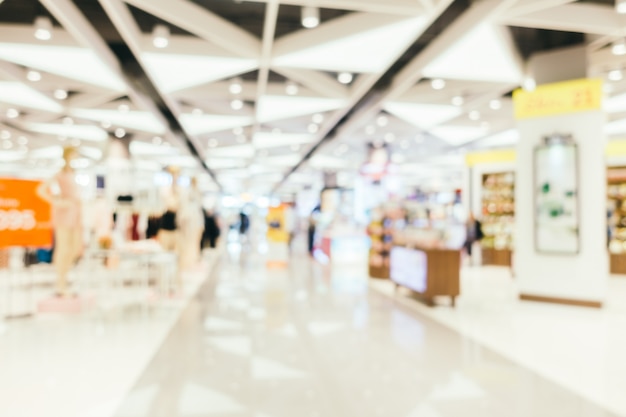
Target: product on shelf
[498,210]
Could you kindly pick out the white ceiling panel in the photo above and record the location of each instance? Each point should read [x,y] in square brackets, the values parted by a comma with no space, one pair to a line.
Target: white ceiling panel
[84,132]
[356,52]
[423,116]
[136,120]
[71,62]
[23,96]
[484,54]
[174,72]
[208,123]
[272,108]
[459,135]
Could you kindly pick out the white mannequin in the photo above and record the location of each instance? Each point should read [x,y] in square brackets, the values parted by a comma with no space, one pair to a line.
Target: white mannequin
[63,194]
[191,226]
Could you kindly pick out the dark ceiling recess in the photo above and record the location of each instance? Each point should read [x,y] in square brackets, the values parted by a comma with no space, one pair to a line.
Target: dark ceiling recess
[146,22]
[136,75]
[530,40]
[24,12]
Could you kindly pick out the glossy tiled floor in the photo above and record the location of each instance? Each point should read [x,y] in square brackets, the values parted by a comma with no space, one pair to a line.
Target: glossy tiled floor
[301,341]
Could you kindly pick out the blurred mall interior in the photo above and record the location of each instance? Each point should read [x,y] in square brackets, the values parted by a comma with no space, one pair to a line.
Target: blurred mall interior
[312,208]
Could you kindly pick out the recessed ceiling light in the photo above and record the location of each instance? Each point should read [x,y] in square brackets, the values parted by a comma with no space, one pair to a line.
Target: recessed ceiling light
[474,115]
[157,140]
[485,125]
[382,120]
[12,113]
[22,140]
[310,17]
[495,104]
[120,132]
[197,112]
[60,94]
[67,120]
[5,134]
[238,130]
[370,130]
[292,88]
[124,108]
[390,137]
[213,143]
[318,118]
[236,104]
[43,28]
[458,100]
[7,144]
[438,84]
[620,6]
[345,77]
[313,128]
[619,47]
[530,84]
[236,86]
[76,142]
[105,124]
[167,144]
[615,75]
[33,76]
[160,36]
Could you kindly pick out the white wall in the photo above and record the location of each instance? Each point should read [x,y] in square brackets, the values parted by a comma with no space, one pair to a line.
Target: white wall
[579,277]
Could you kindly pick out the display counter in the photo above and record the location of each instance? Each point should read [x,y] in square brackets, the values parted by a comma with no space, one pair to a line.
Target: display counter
[429,272]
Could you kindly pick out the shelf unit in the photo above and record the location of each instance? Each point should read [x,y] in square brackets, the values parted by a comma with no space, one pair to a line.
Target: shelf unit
[616,215]
[498,218]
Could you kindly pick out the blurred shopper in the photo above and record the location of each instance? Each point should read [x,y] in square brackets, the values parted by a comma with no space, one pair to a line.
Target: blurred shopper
[244,223]
[211,229]
[290,222]
[474,234]
[191,226]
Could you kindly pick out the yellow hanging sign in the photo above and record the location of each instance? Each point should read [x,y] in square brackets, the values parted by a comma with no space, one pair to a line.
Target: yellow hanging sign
[558,98]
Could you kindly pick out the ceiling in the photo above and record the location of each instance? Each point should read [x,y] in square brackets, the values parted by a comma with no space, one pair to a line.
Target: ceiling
[290,118]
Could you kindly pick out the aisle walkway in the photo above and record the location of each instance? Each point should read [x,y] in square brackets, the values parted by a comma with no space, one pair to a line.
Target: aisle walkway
[302,342]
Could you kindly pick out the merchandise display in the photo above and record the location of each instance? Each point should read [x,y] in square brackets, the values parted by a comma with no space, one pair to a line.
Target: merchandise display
[616,214]
[498,218]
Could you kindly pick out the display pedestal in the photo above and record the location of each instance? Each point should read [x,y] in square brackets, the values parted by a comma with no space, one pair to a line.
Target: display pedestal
[66,305]
[618,263]
[380,272]
[497,257]
[427,272]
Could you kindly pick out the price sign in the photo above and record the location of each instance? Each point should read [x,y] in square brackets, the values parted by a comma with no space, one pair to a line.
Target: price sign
[559,98]
[25,218]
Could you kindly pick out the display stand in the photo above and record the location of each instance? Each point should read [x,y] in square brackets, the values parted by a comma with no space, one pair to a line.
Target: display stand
[428,272]
[18,282]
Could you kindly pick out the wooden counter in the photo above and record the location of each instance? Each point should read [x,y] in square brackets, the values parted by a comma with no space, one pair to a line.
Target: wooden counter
[428,272]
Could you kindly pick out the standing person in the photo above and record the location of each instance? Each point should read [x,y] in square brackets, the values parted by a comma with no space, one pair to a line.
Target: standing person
[211,229]
[244,223]
[474,234]
[290,223]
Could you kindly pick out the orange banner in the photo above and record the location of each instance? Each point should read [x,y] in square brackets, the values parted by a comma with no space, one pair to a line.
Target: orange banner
[25,218]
